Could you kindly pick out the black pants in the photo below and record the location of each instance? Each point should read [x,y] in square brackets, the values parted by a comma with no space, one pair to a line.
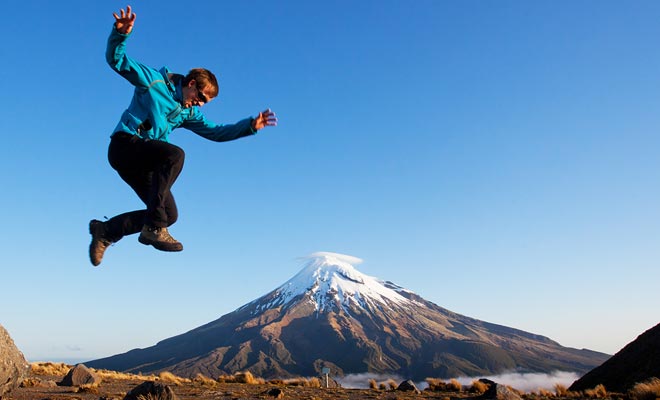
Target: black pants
[150,167]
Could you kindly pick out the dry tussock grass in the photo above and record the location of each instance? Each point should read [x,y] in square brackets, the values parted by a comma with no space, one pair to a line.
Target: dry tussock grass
[89,388]
[49,368]
[563,392]
[169,377]
[30,382]
[122,376]
[438,385]
[204,380]
[648,390]
[303,382]
[478,387]
[598,392]
[389,384]
[241,377]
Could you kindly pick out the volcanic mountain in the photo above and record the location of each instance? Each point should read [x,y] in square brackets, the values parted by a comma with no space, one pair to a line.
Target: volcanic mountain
[332,316]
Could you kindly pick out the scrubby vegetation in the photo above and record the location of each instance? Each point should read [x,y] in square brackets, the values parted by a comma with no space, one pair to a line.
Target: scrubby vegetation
[49,368]
[241,377]
[599,392]
[439,385]
[649,390]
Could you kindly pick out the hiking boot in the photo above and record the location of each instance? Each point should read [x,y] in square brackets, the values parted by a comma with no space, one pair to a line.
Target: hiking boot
[99,242]
[160,238]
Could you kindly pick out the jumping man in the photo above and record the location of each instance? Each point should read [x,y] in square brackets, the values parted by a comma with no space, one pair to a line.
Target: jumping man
[139,148]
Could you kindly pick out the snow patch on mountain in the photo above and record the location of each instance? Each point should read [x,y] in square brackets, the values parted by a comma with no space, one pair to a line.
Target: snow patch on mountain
[329,280]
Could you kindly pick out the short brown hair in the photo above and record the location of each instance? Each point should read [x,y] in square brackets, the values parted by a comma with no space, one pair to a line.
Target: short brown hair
[205,80]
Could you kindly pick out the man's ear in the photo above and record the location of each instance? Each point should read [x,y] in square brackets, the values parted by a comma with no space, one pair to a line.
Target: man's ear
[192,83]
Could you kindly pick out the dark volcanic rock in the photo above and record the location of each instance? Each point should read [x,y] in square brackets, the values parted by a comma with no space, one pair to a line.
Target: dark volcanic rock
[276,393]
[80,375]
[498,392]
[13,366]
[151,390]
[408,386]
[637,362]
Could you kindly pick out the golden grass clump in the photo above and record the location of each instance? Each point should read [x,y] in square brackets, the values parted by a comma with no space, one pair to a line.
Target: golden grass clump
[561,390]
[122,376]
[454,385]
[89,388]
[478,387]
[389,384]
[241,377]
[49,368]
[204,380]
[647,390]
[546,393]
[169,377]
[303,382]
[438,385]
[598,392]
[247,378]
[30,382]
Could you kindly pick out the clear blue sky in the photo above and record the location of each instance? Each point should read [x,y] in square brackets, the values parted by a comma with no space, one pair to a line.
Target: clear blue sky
[499,158]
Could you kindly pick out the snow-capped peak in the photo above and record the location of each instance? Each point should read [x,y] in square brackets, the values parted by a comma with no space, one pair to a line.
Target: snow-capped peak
[331,279]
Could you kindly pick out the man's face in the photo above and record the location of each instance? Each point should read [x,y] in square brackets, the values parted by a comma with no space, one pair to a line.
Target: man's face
[193,95]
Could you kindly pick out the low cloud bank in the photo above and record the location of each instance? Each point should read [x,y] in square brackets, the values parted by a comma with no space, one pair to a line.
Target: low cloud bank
[530,382]
[526,382]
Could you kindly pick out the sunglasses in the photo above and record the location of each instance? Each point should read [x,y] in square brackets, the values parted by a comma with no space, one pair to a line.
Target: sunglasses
[201,95]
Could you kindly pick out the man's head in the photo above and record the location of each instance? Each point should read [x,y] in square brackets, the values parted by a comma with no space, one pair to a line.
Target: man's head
[199,87]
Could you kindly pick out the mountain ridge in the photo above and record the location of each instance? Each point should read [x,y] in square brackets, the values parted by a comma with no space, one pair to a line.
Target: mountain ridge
[637,362]
[331,315]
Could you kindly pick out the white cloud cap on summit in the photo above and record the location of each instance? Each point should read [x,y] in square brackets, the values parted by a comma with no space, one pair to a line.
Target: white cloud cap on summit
[326,254]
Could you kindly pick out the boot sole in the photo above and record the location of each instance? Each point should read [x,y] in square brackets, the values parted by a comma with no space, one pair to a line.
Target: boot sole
[160,246]
[91,256]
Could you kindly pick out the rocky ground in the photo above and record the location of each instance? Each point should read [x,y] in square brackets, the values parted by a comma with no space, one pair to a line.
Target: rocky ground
[44,387]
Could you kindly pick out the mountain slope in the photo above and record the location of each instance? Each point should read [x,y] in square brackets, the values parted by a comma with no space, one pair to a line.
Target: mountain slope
[331,315]
[637,362]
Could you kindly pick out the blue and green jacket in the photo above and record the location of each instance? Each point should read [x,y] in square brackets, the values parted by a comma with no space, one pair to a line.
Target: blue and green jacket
[157,99]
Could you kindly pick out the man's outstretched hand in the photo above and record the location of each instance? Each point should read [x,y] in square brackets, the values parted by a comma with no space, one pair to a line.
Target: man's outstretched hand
[265,118]
[124,22]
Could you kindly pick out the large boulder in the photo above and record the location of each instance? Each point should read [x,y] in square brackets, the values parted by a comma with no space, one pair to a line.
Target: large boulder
[13,366]
[151,390]
[80,375]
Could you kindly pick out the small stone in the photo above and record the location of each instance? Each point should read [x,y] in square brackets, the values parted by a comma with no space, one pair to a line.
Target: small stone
[151,390]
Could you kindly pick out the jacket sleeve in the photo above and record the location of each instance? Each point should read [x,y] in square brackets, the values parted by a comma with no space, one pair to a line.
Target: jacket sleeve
[218,132]
[133,71]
